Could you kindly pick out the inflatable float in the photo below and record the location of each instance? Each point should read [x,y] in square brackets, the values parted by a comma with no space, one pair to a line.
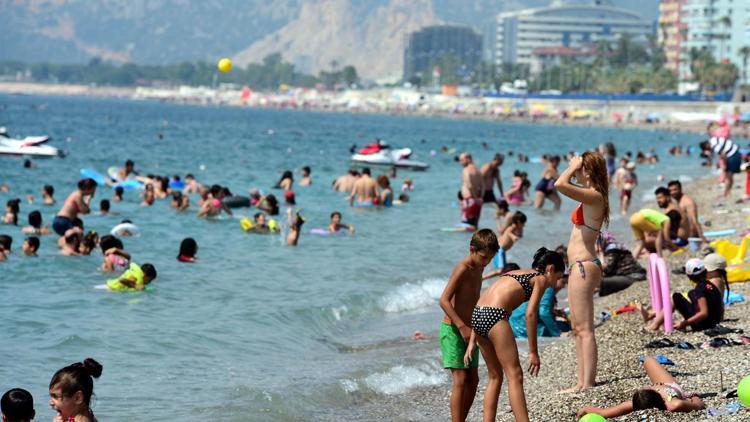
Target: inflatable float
[94,175]
[738,266]
[463,227]
[661,298]
[125,229]
[249,225]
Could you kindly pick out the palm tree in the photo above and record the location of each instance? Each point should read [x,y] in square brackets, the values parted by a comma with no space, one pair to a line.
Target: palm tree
[745,53]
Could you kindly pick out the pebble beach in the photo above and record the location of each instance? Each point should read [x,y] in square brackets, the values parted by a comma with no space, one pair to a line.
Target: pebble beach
[710,372]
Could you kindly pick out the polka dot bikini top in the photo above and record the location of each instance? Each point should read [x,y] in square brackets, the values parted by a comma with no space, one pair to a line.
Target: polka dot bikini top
[523,280]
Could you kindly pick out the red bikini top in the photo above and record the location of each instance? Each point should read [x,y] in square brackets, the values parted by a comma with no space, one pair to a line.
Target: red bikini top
[577,218]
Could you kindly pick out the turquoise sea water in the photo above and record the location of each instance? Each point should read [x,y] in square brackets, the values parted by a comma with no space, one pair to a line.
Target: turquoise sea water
[257,330]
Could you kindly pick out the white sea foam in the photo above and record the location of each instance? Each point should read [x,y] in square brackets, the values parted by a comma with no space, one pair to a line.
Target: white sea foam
[402,378]
[339,311]
[349,386]
[412,296]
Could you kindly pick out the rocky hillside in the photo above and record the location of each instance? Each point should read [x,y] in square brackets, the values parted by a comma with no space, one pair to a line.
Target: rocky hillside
[314,34]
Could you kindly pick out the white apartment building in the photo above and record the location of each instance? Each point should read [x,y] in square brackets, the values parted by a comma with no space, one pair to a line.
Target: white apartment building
[568,23]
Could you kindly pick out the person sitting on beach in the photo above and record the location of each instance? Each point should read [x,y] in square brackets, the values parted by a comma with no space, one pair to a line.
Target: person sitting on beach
[491,328]
[665,202]
[507,239]
[35,224]
[472,190]
[17,405]
[716,267]
[346,182]
[365,191]
[655,225]
[188,250]
[545,189]
[457,301]
[516,195]
[386,193]
[335,225]
[548,324]
[286,181]
[306,179]
[691,226]
[491,175]
[48,195]
[76,203]
[180,201]
[136,278]
[12,208]
[30,246]
[702,309]
[664,394]
[70,391]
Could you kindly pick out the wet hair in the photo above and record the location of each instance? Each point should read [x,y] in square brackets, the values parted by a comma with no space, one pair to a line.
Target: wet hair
[647,398]
[403,197]
[189,176]
[383,181]
[306,169]
[502,204]
[17,405]
[499,157]
[72,239]
[6,241]
[518,218]
[86,184]
[14,205]
[129,163]
[104,205]
[108,241]
[544,257]
[119,190]
[215,190]
[594,164]
[661,190]
[188,247]
[33,242]
[366,171]
[77,222]
[164,184]
[88,242]
[273,204]
[675,183]
[35,219]
[511,266]
[484,241]
[149,271]
[287,174]
[177,196]
[49,190]
[335,213]
[77,377]
[27,164]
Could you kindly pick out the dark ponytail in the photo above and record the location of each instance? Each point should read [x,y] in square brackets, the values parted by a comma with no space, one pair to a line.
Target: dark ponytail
[77,377]
[544,257]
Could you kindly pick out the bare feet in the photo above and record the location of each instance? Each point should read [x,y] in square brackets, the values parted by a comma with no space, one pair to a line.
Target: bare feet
[574,389]
[644,312]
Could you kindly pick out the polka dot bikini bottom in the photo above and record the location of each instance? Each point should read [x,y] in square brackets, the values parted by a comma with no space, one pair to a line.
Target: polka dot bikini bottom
[483,318]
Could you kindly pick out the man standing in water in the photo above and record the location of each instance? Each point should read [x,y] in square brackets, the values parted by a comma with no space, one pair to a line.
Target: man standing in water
[490,175]
[346,182]
[365,190]
[472,190]
[690,226]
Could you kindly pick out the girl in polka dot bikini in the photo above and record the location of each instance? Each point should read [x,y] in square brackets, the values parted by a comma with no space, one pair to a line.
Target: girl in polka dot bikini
[490,327]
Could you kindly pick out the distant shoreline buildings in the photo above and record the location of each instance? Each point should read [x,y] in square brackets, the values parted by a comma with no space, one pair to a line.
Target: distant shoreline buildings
[428,47]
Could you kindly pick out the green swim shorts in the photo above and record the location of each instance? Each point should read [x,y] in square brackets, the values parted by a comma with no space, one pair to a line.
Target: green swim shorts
[453,348]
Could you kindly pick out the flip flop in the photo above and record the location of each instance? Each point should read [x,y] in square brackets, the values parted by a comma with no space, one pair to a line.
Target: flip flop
[722,342]
[721,330]
[661,359]
[685,346]
[656,344]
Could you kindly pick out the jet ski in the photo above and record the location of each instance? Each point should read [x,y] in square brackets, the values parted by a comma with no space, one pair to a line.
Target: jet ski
[30,145]
[380,153]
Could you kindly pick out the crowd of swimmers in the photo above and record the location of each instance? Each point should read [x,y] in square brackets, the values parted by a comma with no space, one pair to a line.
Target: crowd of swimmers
[512,306]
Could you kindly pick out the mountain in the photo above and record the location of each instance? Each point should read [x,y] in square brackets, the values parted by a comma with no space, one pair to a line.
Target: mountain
[314,34]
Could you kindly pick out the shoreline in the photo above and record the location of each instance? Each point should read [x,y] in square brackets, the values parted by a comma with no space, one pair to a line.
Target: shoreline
[597,113]
[620,343]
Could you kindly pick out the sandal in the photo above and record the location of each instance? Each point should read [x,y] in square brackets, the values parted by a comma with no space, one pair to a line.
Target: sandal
[685,346]
[721,330]
[656,344]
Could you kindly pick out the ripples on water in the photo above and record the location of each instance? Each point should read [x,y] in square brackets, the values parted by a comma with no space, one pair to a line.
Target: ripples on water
[256,328]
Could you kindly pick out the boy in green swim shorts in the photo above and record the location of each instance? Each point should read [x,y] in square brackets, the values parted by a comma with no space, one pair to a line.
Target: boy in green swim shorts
[458,300]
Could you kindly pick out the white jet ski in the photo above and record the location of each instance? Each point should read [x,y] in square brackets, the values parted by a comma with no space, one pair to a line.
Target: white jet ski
[380,154]
[30,145]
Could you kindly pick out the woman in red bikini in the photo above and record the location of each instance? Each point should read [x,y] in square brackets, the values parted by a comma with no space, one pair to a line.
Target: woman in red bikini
[592,191]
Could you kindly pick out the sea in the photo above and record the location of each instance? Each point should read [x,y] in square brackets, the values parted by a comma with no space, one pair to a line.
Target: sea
[256,330]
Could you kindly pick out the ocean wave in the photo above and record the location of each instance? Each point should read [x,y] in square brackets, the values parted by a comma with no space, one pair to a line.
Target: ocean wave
[402,378]
[411,296]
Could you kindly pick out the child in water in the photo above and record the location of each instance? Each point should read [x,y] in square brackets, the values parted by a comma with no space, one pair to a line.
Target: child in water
[11,211]
[664,394]
[148,195]
[30,246]
[17,405]
[510,235]
[457,301]
[70,391]
[295,227]
[491,328]
[117,197]
[335,226]
[48,192]
[188,249]
[35,224]
[136,278]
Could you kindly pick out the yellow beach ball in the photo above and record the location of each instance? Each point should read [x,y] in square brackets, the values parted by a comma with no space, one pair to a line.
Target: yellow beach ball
[225,65]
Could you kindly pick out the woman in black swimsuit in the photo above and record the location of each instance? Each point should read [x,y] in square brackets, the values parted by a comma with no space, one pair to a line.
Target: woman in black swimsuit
[490,327]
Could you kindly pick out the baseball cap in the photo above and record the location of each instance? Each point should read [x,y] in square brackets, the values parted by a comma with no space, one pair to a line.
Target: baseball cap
[714,261]
[694,266]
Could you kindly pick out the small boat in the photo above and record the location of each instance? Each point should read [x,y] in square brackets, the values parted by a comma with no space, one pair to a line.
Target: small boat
[381,154]
[30,145]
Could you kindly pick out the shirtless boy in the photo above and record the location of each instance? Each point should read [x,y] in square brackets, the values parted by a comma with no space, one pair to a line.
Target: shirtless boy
[365,190]
[458,300]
